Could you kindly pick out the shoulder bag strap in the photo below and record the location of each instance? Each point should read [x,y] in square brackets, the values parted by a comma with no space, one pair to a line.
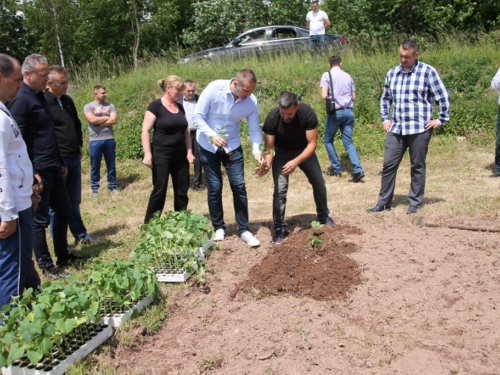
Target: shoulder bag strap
[331,86]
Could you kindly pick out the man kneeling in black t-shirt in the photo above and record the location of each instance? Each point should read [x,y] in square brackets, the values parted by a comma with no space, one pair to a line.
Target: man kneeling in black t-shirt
[291,129]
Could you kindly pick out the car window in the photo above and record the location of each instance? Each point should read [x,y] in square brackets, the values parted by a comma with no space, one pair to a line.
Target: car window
[253,36]
[284,33]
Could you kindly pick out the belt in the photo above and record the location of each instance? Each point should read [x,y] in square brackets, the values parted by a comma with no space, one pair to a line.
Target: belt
[338,109]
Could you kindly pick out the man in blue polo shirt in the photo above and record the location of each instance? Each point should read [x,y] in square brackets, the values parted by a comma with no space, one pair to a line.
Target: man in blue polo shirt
[411,89]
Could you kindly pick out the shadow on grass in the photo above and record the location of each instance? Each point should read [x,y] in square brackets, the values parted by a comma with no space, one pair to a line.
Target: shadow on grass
[402,200]
[123,182]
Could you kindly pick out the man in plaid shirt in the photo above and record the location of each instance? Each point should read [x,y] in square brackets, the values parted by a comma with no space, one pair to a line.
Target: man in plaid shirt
[411,88]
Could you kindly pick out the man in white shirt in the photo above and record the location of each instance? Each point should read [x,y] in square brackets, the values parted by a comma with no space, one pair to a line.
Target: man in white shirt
[217,115]
[16,181]
[317,22]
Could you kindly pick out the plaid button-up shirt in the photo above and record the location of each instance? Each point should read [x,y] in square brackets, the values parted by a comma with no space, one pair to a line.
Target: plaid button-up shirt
[412,95]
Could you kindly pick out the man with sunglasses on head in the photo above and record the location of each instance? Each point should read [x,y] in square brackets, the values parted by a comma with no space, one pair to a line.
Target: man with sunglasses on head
[217,116]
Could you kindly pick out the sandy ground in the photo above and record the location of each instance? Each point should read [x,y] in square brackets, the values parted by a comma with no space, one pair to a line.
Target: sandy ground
[413,300]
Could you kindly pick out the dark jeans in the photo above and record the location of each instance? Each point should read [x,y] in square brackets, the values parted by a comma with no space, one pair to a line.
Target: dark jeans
[312,170]
[343,119]
[395,148]
[16,259]
[98,149]
[54,195]
[198,175]
[497,146]
[73,181]
[316,42]
[176,165]
[234,165]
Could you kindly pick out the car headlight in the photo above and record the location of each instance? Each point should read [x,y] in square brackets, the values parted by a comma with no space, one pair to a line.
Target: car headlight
[184,60]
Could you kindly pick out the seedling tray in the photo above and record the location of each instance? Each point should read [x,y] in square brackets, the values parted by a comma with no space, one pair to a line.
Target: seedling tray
[168,275]
[116,320]
[172,276]
[63,366]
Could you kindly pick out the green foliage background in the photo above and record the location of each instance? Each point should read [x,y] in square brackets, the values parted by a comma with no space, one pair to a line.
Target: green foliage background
[466,69]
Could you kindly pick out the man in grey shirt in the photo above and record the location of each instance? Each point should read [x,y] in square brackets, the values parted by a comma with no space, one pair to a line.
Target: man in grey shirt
[101,116]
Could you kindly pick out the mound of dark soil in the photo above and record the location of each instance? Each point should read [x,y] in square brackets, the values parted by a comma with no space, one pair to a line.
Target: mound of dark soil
[296,267]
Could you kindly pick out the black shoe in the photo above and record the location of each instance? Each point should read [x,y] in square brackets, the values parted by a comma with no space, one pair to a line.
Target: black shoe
[331,172]
[495,175]
[279,236]
[329,221]
[412,210]
[55,272]
[356,177]
[379,208]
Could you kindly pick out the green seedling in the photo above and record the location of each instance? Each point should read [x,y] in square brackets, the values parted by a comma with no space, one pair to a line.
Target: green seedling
[172,241]
[258,171]
[316,240]
[221,132]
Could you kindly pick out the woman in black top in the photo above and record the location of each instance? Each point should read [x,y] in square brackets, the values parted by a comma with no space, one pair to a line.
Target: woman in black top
[169,152]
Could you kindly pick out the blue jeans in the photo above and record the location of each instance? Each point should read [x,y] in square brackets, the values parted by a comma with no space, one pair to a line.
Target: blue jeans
[315,42]
[97,149]
[16,259]
[234,165]
[312,170]
[73,181]
[497,146]
[343,119]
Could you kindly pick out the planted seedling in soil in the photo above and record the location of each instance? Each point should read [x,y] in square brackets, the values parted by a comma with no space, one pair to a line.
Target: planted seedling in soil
[316,233]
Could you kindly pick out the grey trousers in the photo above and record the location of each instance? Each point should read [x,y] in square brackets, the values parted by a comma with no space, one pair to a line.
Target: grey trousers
[395,148]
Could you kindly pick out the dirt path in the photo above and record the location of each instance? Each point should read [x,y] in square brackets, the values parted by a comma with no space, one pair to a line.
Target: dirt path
[379,296]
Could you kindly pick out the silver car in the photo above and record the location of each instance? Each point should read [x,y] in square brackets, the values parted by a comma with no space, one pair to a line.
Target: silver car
[267,39]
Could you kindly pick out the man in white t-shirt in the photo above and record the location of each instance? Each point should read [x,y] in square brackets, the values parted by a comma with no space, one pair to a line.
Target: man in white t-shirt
[317,22]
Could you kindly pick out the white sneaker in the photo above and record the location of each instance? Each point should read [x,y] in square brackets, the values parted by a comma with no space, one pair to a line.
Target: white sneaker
[219,235]
[250,239]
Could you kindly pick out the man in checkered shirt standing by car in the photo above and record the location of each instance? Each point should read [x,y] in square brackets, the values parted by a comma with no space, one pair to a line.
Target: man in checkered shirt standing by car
[410,88]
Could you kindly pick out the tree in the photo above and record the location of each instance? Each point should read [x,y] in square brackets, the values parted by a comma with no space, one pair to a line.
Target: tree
[217,21]
[53,23]
[15,40]
[288,12]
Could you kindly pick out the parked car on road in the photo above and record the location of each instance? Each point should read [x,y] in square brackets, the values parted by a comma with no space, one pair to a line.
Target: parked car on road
[267,39]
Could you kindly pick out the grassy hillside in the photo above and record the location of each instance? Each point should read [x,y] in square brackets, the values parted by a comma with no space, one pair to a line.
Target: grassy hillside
[466,69]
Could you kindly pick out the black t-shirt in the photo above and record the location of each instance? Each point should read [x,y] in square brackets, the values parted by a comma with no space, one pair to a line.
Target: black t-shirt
[169,127]
[291,135]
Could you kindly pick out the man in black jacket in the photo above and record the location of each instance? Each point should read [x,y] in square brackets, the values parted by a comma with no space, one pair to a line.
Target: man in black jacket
[188,101]
[68,130]
[32,114]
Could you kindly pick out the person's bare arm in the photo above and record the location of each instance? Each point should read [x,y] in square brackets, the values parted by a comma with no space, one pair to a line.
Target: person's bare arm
[312,142]
[112,119]
[147,125]
[96,120]
[327,24]
[324,93]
